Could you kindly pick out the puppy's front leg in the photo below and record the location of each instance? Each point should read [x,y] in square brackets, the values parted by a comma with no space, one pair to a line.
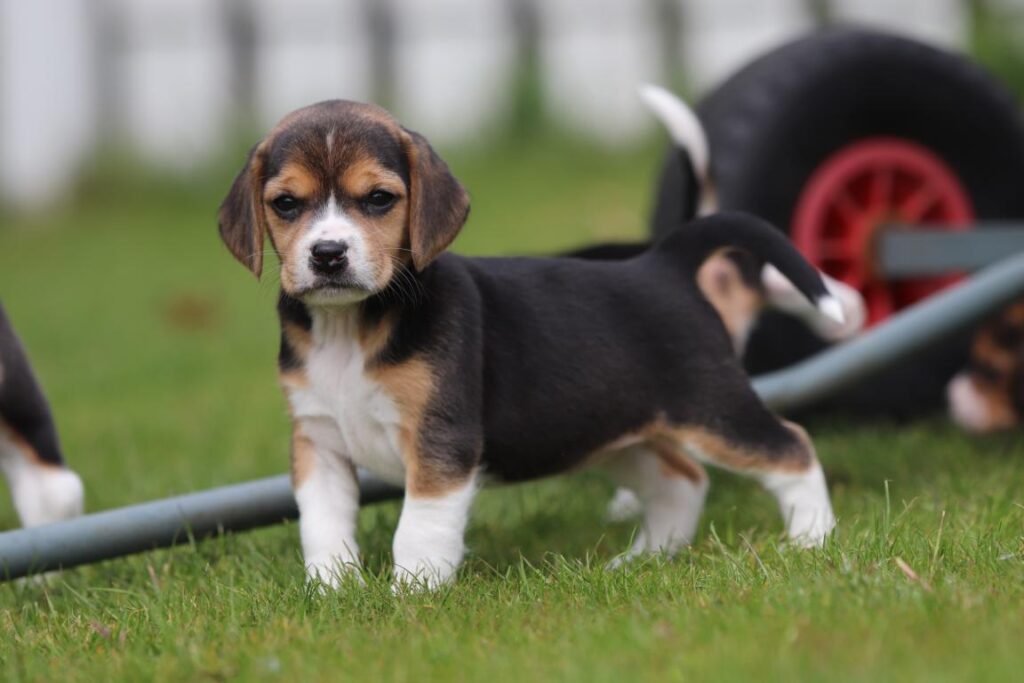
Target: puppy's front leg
[327,493]
[429,540]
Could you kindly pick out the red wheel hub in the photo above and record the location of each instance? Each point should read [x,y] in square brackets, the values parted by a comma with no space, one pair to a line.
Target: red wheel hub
[860,188]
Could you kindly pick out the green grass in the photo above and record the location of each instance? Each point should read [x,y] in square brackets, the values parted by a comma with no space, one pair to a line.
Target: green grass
[158,354]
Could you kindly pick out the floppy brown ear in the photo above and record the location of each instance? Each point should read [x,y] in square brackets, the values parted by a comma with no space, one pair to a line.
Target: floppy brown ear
[438,204]
[242,218]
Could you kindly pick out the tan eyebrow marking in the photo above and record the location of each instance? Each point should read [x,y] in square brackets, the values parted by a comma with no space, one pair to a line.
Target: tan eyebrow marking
[366,174]
[294,178]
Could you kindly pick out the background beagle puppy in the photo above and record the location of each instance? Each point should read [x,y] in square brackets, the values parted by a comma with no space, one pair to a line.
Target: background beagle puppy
[43,488]
[739,285]
[437,372]
[988,394]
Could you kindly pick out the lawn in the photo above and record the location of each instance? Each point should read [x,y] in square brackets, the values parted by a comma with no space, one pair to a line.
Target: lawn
[158,352]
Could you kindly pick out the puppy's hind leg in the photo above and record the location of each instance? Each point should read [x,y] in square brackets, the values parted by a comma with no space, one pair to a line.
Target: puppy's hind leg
[802,495]
[746,438]
[671,489]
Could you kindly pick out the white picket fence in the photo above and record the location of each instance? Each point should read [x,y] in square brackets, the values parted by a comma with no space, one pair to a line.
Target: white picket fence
[173,79]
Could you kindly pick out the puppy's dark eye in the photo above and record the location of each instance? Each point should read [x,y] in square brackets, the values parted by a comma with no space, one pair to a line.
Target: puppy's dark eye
[379,199]
[286,206]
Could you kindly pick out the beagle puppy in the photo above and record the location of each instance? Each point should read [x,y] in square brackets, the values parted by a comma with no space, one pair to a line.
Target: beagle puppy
[988,394]
[43,488]
[441,372]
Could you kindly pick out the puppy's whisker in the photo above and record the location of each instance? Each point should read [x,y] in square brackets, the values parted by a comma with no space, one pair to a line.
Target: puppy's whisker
[408,285]
[405,249]
[403,284]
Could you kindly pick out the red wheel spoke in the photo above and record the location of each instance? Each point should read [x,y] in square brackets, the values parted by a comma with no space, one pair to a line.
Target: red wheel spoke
[879,302]
[835,250]
[914,290]
[880,190]
[850,212]
[914,208]
[850,277]
[854,192]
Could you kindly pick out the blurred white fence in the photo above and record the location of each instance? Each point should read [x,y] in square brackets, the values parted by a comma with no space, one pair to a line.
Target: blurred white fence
[174,79]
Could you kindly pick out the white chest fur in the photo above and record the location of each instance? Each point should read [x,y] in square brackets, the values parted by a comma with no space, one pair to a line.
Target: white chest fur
[344,410]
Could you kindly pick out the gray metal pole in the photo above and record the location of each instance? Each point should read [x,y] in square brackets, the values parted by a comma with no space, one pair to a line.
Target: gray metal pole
[158,524]
[162,523]
[910,251]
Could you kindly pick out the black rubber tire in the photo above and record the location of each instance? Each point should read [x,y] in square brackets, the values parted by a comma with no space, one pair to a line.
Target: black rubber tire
[775,121]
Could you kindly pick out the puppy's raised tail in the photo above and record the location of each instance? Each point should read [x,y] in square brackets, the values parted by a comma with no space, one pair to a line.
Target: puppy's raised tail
[691,142]
[682,124]
[687,190]
[726,230]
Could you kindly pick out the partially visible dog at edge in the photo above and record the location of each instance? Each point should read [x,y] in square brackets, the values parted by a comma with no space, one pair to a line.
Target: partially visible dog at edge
[440,372]
[988,394]
[43,488]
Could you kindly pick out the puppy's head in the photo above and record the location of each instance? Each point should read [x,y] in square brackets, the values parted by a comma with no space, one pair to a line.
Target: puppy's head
[347,197]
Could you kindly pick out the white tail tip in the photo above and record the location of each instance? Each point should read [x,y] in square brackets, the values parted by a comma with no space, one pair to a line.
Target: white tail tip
[832,309]
[838,315]
[682,123]
[855,312]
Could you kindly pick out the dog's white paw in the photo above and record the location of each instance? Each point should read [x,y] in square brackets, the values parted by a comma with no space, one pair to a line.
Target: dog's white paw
[414,581]
[44,494]
[804,503]
[331,571]
[810,527]
[620,561]
[422,576]
[624,505]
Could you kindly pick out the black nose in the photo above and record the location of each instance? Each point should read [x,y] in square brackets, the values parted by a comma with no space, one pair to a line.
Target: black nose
[329,257]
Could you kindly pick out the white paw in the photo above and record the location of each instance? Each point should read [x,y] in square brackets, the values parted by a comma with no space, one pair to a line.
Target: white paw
[428,546]
[974,410]
[620,561]
[624,505]
[41,579]
[645,545]
[808,528]
[804,503]
[332,570]
[640,553]
[420,576]
[44,494]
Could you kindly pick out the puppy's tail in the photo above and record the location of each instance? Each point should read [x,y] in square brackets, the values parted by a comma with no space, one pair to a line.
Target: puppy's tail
[727,230]
[687,190]
[694,161]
